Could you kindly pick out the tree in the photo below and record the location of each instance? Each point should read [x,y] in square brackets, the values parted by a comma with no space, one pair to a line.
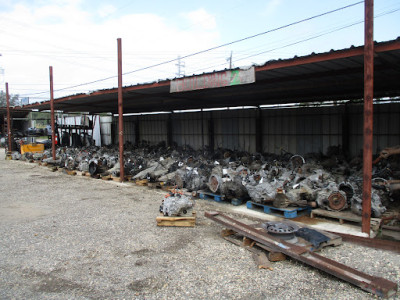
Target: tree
[14,99]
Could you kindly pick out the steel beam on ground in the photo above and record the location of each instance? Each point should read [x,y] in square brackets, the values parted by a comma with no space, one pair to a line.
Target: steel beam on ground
[373,284]
[388,245]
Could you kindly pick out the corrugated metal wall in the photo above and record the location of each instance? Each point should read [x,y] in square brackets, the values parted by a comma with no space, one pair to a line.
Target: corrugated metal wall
[386,127]
[190,129]
[235,129]
[301,130]
[152,128]
[105,130]
[296,130]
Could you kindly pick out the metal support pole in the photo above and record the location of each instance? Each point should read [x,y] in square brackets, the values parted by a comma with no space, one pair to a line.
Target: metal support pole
[8,119]
[53,132]
[120,114]
[368,114]
[202,130]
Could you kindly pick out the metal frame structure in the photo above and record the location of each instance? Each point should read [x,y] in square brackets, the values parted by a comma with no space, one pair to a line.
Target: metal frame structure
[328,76]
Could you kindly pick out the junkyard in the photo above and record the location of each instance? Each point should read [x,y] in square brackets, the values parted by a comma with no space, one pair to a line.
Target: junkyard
[76,237]
[273,180]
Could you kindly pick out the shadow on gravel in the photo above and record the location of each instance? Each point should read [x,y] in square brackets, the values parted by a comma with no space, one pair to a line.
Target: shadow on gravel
[149,283]
[49,283]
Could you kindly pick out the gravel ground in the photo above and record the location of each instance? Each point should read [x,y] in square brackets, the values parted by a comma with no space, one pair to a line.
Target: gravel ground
[73,237]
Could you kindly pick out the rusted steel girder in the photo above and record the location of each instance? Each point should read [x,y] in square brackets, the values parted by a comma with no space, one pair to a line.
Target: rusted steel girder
[8,119]
[368,114]
[375,285]
[53,132]
[120,114]
[372,243]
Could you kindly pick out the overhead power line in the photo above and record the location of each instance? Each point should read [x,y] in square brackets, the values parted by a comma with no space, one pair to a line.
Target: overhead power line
[301,41]
[214,48]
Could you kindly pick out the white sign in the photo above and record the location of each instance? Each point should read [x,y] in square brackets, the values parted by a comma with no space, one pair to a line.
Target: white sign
[213,80]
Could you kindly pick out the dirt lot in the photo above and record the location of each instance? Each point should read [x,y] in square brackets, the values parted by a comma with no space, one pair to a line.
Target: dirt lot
[73,237]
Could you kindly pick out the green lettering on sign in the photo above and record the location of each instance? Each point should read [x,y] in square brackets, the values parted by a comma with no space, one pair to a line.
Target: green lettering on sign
[235,79]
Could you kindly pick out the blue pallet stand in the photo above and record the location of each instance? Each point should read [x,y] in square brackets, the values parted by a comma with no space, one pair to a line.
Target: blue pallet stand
[219,198]
[288,213]
[211,196]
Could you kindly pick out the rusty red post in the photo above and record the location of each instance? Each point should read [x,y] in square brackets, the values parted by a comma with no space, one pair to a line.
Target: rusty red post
[8,119]
[368,114]
[53,132]
[120,113]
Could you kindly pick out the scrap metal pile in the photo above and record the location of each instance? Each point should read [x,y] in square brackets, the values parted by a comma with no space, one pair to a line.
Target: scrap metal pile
[327,181]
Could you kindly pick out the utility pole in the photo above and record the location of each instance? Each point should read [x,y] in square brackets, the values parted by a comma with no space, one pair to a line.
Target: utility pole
[229,59]
[180,65]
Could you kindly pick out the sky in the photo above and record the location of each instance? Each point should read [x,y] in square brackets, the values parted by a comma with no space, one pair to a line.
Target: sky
[78,38]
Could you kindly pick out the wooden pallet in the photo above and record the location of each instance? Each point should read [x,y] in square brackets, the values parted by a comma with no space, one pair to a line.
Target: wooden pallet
[155,185]
[273,255]
[114,178]
[334,239]
[142,182]
[218,198]
[86,174]
[251,245]
[106,177]
[183,221]
[288,212]
[66,171]
[344,216]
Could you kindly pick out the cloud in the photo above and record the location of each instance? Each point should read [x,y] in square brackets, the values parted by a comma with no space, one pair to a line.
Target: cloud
[201,18]
[83,48]
[106,10]
[271,7]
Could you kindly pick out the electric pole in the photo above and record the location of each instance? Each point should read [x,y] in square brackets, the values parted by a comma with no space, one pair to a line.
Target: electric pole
[180,65]
[229,59]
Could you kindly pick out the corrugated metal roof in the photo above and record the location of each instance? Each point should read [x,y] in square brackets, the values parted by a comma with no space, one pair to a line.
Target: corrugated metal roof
[334,75]
[14,112]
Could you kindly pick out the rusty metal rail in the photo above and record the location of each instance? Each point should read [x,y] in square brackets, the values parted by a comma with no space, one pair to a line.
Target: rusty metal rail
[376,285]
[372,243]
